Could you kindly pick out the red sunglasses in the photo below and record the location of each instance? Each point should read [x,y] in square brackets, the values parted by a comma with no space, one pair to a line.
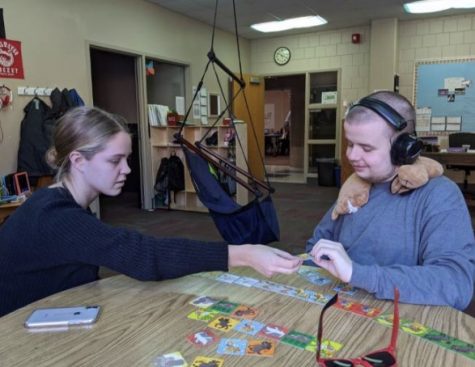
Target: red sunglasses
[381,358]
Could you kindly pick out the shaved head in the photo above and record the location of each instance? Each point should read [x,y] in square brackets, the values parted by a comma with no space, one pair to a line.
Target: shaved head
[399,103]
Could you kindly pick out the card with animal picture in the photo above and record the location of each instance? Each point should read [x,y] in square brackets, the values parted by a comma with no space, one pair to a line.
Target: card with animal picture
[345,288]
[205,315]
[250,327]
[413,327]
[225,307]
[312,296]
[202,338]
[202,361]
[223,323]
[329,347]
[204,301]
[235,347]
[297,339]
[358,308]
[260,348]
[170,359]
[245,312]
[313,275]
[451,343]
[246,281]
[273,331]
[227,278]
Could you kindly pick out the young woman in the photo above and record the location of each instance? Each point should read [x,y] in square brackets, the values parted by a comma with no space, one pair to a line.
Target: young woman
[53,242]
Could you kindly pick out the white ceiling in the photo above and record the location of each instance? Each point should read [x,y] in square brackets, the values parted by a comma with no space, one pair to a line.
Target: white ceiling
[338,13]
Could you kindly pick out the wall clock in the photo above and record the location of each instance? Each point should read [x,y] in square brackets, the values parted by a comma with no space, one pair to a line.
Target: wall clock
[282,56]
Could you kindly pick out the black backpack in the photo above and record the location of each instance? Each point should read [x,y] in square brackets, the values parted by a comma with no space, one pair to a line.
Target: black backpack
[161,183]
[170,177]
[176,174]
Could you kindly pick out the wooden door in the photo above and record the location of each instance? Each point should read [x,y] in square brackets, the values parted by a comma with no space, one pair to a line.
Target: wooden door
[254,118]
[346,169]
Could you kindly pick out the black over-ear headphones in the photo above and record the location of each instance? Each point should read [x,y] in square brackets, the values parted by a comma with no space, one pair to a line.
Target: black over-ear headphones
[406,148]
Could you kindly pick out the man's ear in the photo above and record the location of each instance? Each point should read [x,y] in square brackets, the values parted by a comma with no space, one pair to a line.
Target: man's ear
[77,160]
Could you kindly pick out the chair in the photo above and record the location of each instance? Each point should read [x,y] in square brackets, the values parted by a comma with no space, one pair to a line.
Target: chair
[457,140]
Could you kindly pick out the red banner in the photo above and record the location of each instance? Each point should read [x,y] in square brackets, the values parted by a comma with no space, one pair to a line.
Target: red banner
[11,65]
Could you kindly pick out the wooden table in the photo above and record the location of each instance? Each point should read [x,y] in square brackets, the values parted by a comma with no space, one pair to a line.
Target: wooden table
[7,209]
[449,158]
[142,320]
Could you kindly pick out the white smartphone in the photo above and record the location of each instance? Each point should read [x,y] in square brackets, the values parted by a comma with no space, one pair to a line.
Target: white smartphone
[63,316]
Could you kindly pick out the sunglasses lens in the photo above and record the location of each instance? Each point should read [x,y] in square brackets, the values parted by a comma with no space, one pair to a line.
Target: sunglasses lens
[338,363]
[380,359]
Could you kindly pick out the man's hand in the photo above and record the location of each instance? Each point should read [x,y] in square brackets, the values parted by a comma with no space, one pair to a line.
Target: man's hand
[332,256]
[264,259]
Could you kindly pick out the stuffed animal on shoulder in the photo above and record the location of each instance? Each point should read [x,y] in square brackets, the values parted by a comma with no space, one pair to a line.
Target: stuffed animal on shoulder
[355,191]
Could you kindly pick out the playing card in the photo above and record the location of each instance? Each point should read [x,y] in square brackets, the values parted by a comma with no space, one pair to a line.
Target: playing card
[225,307]
[246,281]
[245,312]
[261,348]
[360,309]
[313,275]
[236,347]
[202,338]
[203,315]
[413,327]
[345,288]
[329,347]
[170,359]
[202,361]
[250,327]
[227,278]
[223,323]
[204,301]
[273,331]
[297,339]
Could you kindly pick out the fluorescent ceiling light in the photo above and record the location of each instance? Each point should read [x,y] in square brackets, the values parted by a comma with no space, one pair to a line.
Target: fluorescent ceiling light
[432,6]
[292,23]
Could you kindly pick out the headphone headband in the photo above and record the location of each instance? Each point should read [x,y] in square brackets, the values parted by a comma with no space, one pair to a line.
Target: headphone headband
[384,110]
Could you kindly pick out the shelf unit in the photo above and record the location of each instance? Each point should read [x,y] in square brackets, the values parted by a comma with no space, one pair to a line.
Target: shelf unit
[322,130]
[161,140]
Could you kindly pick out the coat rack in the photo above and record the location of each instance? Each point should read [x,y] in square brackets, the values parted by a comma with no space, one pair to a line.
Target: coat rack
[34,91]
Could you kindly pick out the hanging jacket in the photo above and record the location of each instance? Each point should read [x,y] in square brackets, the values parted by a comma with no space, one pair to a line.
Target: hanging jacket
[34,143]
[75,98]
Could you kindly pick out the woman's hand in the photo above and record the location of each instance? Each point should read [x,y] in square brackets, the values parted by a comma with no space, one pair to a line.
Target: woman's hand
[332,256]
[264,259]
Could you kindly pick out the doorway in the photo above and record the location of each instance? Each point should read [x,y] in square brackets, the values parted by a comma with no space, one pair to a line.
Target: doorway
[114,89]
[284,128]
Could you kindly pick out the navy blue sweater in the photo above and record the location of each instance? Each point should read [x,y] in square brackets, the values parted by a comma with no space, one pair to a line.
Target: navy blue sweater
[50,244]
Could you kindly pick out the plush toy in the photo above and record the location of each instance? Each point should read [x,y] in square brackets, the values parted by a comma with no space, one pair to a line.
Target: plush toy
[355,191]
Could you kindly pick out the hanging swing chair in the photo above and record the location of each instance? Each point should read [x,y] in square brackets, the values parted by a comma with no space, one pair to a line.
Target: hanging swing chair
[255,222]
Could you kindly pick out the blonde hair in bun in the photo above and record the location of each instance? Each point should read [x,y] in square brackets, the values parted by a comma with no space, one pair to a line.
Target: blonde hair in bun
[85,130]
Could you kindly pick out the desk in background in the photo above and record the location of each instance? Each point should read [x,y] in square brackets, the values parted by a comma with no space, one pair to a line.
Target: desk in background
[449,158]
[7,209]
[142,320]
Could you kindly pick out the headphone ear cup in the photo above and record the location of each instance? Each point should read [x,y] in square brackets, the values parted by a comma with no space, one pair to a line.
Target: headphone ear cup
[405,149]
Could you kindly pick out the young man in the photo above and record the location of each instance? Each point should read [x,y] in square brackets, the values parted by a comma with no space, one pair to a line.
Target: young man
[422,242]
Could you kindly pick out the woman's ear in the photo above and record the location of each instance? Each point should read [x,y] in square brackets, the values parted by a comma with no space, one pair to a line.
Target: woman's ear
[77,160]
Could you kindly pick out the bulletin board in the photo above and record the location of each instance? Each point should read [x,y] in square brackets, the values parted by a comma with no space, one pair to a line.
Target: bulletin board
[444,95]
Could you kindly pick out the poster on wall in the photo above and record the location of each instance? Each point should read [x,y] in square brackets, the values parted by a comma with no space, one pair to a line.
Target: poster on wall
[444,95]
[11,64]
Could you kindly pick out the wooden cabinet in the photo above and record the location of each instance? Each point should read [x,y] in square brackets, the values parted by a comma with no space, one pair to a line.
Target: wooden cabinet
[162,145]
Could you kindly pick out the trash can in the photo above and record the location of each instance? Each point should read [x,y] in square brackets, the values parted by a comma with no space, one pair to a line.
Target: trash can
[337,171]
[326,171]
